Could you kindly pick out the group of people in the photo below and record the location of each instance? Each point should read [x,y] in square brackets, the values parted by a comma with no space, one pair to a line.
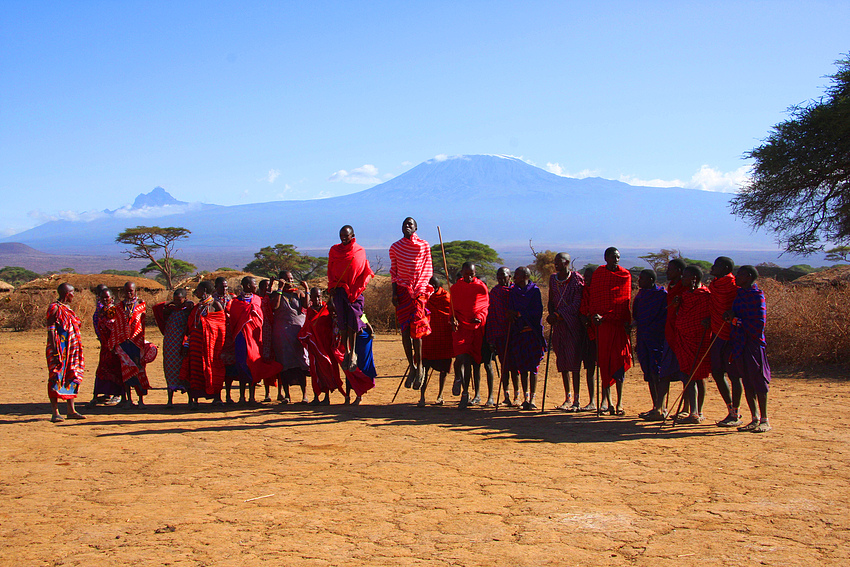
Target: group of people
[278,333]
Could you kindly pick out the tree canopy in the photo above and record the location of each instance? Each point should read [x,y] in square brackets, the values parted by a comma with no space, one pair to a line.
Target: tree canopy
[179,269]
[658,260]
[151,241]
[838,254]
[16,275]
[800,186]
[271,260]
[460,251]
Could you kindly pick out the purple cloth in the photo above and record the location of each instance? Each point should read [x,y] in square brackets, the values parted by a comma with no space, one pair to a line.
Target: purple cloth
[526,344]
[348,313]
[568,332]
[719,354]
[650,313]
[747,346]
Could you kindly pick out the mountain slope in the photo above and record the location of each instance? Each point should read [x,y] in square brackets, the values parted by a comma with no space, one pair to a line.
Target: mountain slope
[498,200]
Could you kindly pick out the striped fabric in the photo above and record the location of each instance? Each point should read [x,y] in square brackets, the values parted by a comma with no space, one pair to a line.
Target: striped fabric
[64,353]
[410,264]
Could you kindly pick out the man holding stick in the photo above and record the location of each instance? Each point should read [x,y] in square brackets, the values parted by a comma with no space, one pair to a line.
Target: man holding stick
[608,306]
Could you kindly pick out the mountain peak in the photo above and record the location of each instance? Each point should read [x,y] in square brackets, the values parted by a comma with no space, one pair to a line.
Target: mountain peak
[156,198]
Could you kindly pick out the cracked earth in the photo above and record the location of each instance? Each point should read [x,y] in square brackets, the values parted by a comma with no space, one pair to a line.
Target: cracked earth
[383,484]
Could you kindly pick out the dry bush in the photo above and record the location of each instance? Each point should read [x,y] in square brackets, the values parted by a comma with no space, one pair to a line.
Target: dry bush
[24,311]
[379,304]
[807,325]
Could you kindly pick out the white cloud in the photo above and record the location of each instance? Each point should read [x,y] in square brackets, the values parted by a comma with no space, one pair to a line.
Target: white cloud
[273,174]
[557,169]
[706,179]
[126,212]
[365,175]
[441,157]
[406,163]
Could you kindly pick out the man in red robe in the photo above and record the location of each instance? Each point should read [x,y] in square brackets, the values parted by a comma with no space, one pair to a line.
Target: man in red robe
[65,361]
[203,366]
[437,349]
[691,343]
[411,271]
[470,300]
[609,294]
[724,290]
[348,275]
[246,327]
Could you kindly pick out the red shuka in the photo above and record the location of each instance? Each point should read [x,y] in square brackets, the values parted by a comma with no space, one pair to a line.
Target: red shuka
[247,318]
[470,301]
[318,338]
[691,336]
[723,293]
[203,368]
[609,294]
[349,269]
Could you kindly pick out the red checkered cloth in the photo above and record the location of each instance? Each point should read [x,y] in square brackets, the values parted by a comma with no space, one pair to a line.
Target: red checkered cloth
[723,292]
[609,295]
[438,345]
[691,336]
[470,301]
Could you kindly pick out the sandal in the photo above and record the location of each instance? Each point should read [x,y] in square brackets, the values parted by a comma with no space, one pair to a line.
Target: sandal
[76,416]
[762,427]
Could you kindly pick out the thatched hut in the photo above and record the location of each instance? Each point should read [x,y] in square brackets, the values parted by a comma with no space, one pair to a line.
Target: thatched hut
[6,287]
[90,282]
[836,276]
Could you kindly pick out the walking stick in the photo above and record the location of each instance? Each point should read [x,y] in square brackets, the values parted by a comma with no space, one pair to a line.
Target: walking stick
[505,362]
[499,390]
[446,268]
[598,380]
[546,374]
[680,400]
[403,377]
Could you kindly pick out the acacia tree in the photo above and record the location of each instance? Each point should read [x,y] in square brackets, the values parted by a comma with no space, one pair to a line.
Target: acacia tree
[838,254]
[179,268]
[658,260]
[800,188]
[460,251]
[271,260]
[151,241]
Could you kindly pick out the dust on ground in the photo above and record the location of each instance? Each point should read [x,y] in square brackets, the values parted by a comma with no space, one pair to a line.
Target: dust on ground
[382,484]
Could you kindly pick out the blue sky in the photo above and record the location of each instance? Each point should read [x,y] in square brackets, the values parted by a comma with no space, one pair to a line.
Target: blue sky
[228,104]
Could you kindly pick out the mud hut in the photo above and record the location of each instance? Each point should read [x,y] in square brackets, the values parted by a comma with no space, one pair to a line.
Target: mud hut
[90,282]
[836,276]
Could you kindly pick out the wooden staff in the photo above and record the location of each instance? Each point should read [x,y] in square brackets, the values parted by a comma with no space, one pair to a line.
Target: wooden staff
[403,377]
[546,374]
[446,268]
[504,362]
[549,349]
[680,399]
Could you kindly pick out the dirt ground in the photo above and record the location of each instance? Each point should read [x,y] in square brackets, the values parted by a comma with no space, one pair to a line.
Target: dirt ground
[383,484]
